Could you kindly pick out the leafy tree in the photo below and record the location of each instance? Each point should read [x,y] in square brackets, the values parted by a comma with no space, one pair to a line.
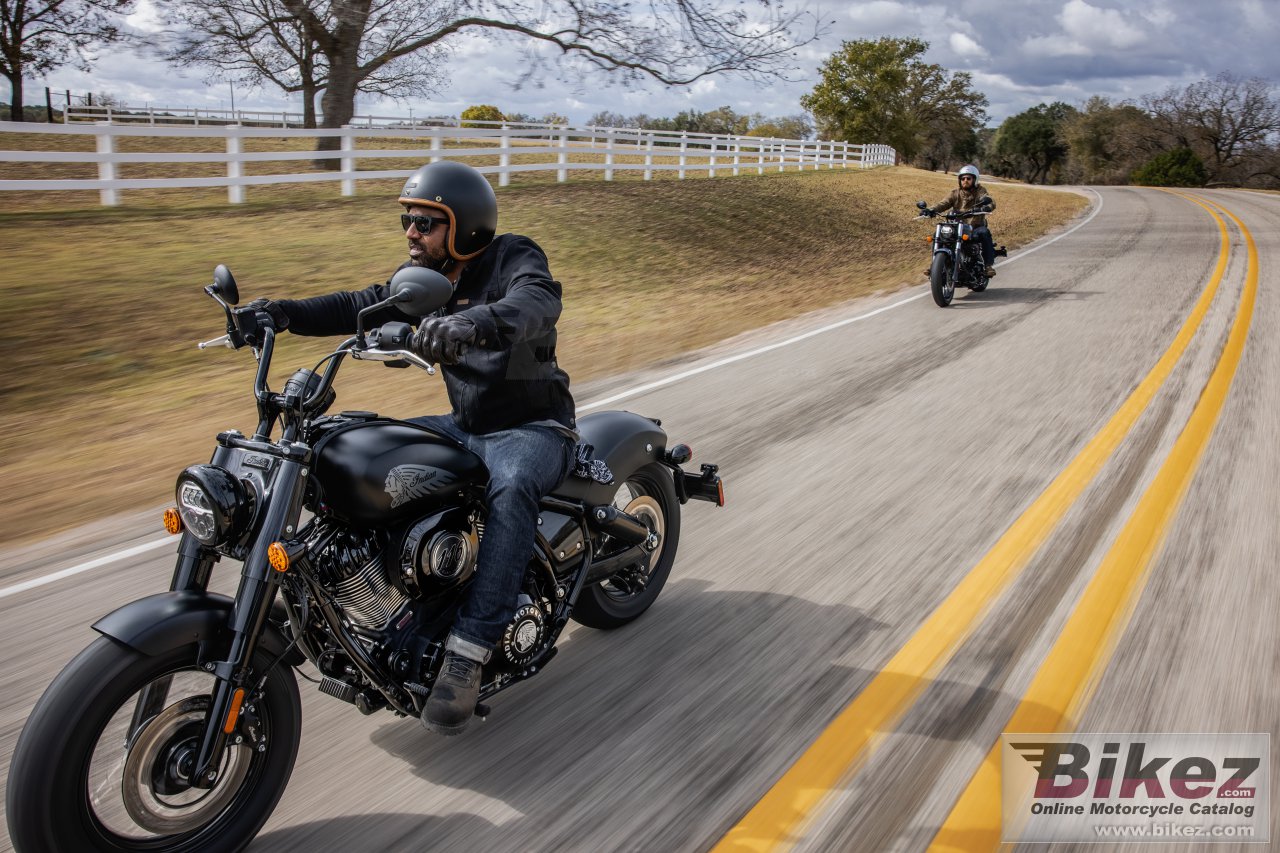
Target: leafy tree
[1029,144]
[882,91]
[479,113]
[1177,168]
[40,35]
[671,41]
[783,127]
[1105,141]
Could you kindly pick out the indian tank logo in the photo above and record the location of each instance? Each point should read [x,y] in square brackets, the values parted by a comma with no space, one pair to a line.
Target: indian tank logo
[409,482]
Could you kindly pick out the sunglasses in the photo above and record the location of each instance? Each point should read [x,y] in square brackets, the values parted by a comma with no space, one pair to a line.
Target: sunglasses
[422,223]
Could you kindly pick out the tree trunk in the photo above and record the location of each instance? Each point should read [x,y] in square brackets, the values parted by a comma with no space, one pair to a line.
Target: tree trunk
[308,104]
[338,104]
[16,112]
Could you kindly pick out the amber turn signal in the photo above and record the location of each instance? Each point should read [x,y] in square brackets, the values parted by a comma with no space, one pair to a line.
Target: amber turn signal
[964,237]
[234,712]
[172,521]
[278,557]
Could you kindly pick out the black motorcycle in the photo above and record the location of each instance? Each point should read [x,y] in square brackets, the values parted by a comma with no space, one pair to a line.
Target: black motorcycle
[177,729]
[957,255]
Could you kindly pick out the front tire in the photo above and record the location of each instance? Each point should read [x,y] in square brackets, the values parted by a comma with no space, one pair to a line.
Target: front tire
[84,778]
[940,280]
[650,495]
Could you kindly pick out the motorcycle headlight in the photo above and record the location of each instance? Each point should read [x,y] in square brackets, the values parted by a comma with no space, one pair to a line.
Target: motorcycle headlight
[947,231]
[214,505]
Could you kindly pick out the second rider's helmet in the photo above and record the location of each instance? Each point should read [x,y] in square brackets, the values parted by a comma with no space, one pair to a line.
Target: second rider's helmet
[464,196]
[968,170]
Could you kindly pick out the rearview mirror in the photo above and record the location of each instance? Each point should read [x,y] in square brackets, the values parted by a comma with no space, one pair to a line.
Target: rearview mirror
[224,284]
[921,205]
[419,291]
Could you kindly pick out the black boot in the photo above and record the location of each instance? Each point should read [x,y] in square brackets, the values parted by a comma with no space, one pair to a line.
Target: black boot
[453,699]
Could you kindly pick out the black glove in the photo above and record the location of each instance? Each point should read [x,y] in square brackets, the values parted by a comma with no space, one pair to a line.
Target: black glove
[442,340]
[279,319]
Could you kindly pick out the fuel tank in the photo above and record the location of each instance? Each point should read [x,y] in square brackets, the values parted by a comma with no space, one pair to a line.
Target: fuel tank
[378,472]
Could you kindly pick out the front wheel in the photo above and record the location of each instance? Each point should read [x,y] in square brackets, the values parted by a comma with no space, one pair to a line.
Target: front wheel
[940,281]
[650,495]
[100,763]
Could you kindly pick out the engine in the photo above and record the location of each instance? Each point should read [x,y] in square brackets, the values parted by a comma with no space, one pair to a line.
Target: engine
[372,579]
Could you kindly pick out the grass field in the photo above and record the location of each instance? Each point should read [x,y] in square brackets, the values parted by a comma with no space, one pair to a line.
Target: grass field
[105,396]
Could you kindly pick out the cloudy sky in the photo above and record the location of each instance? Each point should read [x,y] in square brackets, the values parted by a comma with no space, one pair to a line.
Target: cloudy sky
[1020,53]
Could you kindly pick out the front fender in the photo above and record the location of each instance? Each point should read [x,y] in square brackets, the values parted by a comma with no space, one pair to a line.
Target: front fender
[166,620]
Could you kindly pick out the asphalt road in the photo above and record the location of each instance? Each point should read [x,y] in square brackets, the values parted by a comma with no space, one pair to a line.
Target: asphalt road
[869,469]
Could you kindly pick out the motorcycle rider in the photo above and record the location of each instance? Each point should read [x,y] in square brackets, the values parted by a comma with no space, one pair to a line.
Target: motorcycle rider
[965,197]
[496,344]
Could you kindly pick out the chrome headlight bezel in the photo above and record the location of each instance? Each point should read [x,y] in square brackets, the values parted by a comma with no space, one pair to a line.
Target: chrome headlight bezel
[215,506]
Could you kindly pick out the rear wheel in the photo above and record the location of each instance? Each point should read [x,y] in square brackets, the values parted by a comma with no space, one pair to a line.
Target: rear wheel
[650,495]
[940,280]
[101,763]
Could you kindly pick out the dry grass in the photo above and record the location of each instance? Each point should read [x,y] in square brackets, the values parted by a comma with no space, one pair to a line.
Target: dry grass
[105,396]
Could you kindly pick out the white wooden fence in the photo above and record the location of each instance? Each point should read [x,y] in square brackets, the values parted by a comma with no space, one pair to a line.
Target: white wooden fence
[539,149]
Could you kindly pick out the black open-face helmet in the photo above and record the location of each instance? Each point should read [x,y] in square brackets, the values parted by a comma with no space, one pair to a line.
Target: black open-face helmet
[464,196]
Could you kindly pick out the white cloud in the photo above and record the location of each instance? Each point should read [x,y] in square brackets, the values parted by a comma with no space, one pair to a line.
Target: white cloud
[1055,45]
[1097,27]
[145,17]
[963,45]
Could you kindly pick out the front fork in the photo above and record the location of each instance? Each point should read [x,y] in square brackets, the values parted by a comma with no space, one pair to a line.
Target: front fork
[249,612]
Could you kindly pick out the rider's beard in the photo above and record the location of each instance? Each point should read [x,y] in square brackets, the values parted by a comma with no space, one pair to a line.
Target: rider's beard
[427,256]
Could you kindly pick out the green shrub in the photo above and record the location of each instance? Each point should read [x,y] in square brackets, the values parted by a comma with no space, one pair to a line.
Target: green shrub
[1177,168]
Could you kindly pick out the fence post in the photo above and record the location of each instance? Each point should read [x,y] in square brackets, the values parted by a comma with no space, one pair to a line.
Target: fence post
[235,191]
[348,162]
[684,150]
[759,156]
[609,141]
[504,158]
[737,156]
[562,159]
[711,165]
[436,144]
[648,159]
[106,167]
[782,155]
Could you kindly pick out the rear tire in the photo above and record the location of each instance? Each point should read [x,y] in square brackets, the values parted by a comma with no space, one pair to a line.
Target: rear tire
[940,280]
[75,785]
[650,495]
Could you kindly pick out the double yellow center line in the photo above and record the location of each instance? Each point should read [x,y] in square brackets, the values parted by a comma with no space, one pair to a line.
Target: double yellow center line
[1071,670]
[777,820]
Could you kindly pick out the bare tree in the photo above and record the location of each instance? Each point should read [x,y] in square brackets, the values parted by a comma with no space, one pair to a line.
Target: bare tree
[1226,120]
[261,41]
[41,35]
[385,45]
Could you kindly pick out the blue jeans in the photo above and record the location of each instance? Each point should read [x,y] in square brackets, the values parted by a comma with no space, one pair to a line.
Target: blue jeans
[988,245]
[525,463]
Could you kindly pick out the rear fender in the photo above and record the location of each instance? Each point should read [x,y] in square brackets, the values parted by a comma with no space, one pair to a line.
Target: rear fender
[625,442]
[167,620]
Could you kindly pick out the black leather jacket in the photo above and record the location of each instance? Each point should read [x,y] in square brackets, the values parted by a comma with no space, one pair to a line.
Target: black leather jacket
[509,376]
